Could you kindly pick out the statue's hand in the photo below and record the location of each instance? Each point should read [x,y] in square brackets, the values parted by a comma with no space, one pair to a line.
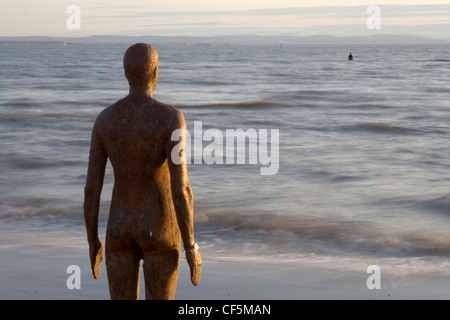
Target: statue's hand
[195,264]
[96,256]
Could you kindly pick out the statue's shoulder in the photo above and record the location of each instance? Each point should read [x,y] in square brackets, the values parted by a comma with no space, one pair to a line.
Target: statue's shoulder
[106,117]
[110,110]
[173,116]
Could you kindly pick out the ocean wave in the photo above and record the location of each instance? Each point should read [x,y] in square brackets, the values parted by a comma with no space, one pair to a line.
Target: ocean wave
[384,127]
[439,60]
[239,104]
[387,128]
[21,103]
[45,212]
[40,113]
[436,203]
[262,234]
[330,95]
[211,83]
[38,211]
[102,102]
[317,234]
[39,162]
[371,106]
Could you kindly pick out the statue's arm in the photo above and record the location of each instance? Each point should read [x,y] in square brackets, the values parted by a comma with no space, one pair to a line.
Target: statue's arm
[181,190]
[92,192]
[182,196]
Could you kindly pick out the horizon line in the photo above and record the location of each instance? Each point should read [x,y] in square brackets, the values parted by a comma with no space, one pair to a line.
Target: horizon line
[232,35]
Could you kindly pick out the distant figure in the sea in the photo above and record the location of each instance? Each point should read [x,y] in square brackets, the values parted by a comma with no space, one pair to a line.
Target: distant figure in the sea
[152,202]
[350,56]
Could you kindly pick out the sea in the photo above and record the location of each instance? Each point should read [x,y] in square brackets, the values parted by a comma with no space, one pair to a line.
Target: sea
[360,162]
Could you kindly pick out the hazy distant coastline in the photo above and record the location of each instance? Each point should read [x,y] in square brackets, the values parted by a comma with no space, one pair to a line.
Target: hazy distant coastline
[217,40]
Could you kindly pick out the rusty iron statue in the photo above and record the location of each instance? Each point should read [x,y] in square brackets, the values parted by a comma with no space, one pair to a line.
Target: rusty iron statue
[152,204]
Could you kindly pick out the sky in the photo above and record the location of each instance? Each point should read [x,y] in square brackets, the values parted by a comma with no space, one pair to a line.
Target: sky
[224,17]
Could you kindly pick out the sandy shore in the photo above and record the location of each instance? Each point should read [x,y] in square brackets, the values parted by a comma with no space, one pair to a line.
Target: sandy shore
[35,271]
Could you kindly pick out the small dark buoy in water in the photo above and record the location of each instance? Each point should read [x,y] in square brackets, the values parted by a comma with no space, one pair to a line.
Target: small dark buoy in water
[350,56]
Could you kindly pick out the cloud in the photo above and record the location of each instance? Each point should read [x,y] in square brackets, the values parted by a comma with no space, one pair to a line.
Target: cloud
[154,18]
[334,20]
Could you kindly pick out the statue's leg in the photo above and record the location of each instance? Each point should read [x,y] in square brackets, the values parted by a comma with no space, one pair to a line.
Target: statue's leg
[161,273]
[122,266]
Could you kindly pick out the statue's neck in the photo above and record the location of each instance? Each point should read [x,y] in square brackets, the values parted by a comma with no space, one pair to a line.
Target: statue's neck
[140,91]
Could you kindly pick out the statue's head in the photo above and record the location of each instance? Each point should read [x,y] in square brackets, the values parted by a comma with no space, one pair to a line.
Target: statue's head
[141,65]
